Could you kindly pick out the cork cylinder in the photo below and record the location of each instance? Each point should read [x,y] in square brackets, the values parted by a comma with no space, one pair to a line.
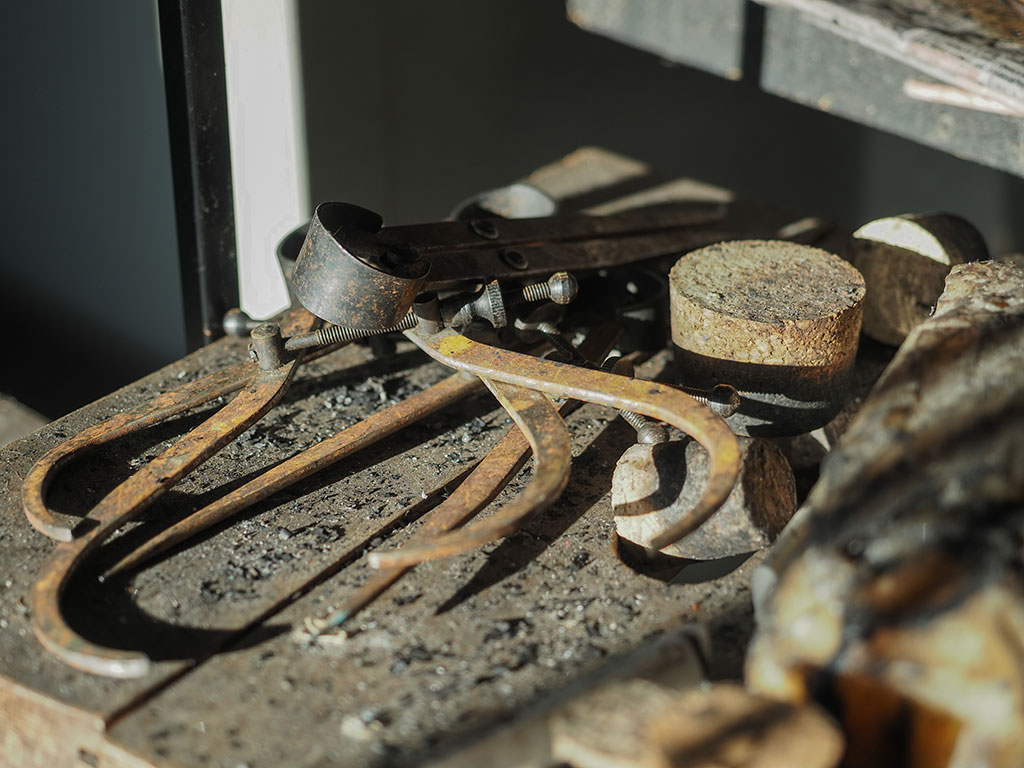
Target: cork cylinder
[905,260]
[778,321]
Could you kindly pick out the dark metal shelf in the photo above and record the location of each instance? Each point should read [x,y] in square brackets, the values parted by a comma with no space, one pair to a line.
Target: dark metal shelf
[949,75]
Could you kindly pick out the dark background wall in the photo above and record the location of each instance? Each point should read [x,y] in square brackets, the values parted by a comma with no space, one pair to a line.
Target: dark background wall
[89,286]
[411,106]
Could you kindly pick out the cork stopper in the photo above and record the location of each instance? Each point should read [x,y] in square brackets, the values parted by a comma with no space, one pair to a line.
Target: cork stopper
[905,260]
[777,320]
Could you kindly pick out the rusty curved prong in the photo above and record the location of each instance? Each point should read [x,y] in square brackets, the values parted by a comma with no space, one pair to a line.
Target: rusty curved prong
[160,408]
[125,503]
[479,489]
[538,419]
[345,443]
[33,492]
[649,398]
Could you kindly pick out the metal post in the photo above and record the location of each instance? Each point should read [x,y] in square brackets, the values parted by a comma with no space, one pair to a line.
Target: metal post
[192,45]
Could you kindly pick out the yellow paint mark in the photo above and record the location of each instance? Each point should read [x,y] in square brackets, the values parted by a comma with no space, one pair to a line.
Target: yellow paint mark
[455,345]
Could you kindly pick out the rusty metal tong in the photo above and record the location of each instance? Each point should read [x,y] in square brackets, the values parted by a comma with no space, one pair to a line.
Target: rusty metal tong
[425,280]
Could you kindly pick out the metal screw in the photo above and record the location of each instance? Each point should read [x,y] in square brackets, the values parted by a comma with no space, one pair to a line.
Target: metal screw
[561,288]
[485,228]
[339,334]
[488,305]
[722,399]
[648,431]
[550,333]
[514,258]
[558,341]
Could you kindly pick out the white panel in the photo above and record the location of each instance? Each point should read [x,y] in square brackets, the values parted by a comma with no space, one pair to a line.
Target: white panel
[268,147]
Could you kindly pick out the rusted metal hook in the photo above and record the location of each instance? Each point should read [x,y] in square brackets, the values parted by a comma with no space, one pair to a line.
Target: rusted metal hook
[124,504]
[539,421]
[658,401]
[320,456]
[160,408]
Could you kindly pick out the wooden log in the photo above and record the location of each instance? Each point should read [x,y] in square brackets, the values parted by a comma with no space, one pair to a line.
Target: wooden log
[778,321]
[904,260]
[641,724]
[897,588]
[654,486]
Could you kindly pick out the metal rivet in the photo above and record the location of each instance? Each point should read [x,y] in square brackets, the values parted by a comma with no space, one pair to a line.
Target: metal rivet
[514,258]
[484,228]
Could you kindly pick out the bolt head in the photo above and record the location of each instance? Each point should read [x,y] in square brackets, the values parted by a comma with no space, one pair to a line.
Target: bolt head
[652,434]
[265,331]
[237,323]
[724,400]
[563,287]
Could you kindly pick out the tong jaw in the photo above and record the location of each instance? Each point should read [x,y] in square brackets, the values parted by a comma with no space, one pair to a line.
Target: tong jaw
[648,398]
[125,503]
[366,280]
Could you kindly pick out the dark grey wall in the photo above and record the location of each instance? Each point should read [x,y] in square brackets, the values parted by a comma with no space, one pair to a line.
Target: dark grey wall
[89,288]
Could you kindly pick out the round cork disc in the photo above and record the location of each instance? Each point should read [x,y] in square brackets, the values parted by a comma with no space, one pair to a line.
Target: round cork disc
[777,320]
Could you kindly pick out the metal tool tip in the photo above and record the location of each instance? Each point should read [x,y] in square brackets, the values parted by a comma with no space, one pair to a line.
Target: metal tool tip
[724,400]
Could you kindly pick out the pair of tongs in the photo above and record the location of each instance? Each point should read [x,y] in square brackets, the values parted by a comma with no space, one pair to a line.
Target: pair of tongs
[366,280]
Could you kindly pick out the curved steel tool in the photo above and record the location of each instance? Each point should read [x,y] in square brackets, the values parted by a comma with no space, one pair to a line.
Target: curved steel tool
[648,398]
[160,408]
[320,456]
[125,503]
[537,422]
[33,492]
[480,488]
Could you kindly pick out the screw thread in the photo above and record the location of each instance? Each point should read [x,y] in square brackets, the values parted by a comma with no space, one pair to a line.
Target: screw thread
[536,292]
[558,341]
[560,288]
[340,334]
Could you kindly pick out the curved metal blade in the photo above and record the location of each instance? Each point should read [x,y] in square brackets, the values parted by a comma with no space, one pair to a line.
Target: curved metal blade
[474,493]
[313,459]
[125,503]
[480,488]
[649,398]
[160,408]
[538,419]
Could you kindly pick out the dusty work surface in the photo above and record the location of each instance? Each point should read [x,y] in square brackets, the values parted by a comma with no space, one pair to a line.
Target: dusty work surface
[455,647]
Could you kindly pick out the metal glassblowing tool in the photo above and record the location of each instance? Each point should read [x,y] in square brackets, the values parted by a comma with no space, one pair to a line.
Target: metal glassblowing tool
[429,281]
